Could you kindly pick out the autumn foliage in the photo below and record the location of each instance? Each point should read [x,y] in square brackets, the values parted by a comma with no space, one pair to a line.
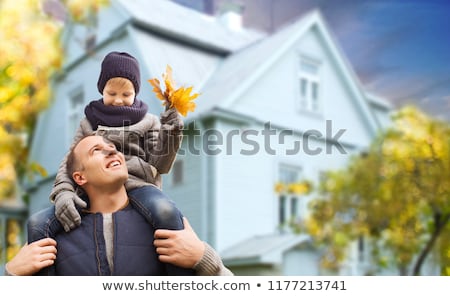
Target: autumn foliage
[31,53]
[395,197]
[179,98]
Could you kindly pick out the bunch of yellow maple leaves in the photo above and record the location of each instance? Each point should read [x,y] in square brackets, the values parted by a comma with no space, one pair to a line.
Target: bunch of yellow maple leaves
[179,98]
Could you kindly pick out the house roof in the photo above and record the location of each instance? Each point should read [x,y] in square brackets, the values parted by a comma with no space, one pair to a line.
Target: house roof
[187,25]
[378,101]
[265,249]
[13,206]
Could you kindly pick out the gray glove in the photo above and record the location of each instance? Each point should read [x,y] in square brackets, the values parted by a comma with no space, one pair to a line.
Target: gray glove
[65,210]
[172,120]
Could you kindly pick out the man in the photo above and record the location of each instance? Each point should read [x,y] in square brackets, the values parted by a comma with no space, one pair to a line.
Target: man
[114,239]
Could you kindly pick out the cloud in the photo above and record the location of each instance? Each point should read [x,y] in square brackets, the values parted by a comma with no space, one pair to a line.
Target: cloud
[397,49]
[439,107]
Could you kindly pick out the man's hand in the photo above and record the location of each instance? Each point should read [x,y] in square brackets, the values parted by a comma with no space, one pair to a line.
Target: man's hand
[65,210]
[33,257]
[182,248]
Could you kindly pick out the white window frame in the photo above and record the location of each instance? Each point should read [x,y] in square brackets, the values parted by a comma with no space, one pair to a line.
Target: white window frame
[307,78]
[75,111]
[287,198]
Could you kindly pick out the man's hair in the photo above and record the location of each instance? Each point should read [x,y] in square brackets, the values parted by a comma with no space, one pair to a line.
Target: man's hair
[72,164]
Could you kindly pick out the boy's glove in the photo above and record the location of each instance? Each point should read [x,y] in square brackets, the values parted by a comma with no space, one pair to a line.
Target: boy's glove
[65,210]
[171,118]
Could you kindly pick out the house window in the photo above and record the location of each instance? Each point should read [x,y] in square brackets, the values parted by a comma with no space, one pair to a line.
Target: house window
[76,110]
[177,172]
[90,42]
[91,25]
[309,81]
[289,174]
[294,207]
[361,251]
[282,210]
[288,203]
[2,241]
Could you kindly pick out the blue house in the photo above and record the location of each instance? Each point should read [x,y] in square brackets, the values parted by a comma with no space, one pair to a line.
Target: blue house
[280,107]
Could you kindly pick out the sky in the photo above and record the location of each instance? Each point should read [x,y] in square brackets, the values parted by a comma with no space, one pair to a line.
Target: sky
[400,49]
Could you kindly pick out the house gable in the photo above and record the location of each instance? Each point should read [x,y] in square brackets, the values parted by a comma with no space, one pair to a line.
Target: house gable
[261,80]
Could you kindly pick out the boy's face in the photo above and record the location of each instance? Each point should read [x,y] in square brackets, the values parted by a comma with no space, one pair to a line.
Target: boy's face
[118,92]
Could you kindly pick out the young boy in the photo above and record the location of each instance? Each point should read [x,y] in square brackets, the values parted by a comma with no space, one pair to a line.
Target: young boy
[149,145]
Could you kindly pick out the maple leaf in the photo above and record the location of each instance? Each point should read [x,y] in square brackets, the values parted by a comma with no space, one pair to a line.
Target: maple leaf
[179,98]
[168,81]
[182,100]
[157,89]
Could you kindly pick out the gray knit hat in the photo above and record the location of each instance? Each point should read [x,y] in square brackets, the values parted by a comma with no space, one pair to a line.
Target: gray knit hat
[119,64]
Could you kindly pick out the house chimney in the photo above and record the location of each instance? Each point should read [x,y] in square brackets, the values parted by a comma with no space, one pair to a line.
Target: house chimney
[230,15]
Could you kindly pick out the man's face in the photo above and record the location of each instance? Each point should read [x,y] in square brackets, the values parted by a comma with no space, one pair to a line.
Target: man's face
[101,163]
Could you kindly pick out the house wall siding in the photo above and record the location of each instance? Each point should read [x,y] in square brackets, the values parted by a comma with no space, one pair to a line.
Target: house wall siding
[244,188]
[188,195]
[246,181]
[246,199]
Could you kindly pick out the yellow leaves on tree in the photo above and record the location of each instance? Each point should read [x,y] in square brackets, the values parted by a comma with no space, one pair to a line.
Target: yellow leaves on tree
[179,98]
[82,10]
[447,269]
[396,195]
[30,54]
